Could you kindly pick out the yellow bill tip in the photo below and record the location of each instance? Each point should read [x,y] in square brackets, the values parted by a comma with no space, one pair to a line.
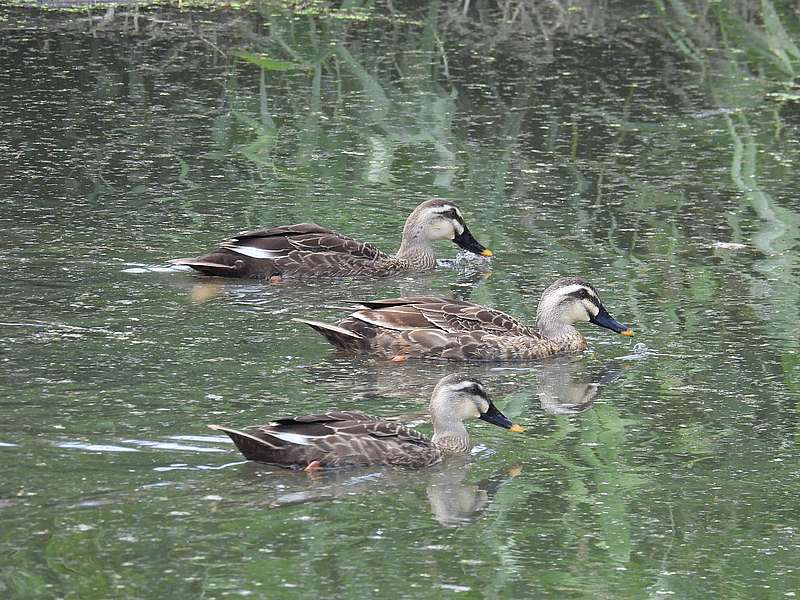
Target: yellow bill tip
[516,428]
[627,333]
[487,252]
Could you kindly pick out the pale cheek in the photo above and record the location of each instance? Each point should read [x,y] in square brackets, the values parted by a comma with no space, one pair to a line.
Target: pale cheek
[471,412]
[441,231]
[579,313]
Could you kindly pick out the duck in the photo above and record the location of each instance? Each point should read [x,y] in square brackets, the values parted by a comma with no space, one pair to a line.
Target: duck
[446,328]
[310,250]
[350,438]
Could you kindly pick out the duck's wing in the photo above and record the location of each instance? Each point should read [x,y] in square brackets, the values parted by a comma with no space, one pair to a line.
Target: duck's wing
[384,430]
[378,442]
[404,301]
[334,439]
[342,425]
[293,441]
[457,317]
[448,315]
[399,314]
[326,419]
[279,242]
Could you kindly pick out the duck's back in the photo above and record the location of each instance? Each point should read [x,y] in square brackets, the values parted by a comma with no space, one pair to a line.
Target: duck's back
[335,439]
[303,249]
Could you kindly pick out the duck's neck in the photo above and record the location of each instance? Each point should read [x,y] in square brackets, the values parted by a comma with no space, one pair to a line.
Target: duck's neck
[416,250]
[450,435]
[563,334]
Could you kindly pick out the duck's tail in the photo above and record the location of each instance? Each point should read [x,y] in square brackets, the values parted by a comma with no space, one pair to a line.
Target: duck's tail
[338,336]
[216,268]
[252,447]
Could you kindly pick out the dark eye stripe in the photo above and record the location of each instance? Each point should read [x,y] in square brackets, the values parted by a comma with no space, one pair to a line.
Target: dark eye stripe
[478,391]
[451,214]
[581,295]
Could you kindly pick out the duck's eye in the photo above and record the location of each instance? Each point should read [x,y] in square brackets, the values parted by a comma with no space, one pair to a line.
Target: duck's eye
[476,390]
[583,293]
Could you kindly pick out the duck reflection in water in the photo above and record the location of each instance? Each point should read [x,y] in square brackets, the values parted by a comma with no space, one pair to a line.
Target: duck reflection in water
[471,275]
[453,500]
[562,392]
[355,440]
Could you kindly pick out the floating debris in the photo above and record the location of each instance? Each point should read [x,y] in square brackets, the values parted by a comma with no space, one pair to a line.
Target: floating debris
[714,112]
[729,245]
[640,352]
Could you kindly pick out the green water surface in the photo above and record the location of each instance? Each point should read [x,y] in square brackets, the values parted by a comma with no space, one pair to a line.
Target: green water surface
[654,152]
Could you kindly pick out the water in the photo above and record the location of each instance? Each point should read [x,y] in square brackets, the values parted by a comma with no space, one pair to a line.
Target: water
[669,469]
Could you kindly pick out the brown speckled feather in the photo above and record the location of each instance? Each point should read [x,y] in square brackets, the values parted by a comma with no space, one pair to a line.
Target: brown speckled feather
[348,438]
[303,237]
[309,250]
[449,314]
[335,439]
[445,328]
[429,327]
[463,316]
[305,249]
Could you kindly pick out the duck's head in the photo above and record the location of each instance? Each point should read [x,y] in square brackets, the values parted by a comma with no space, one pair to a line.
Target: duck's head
[457,398]
[442,220]
[571,300]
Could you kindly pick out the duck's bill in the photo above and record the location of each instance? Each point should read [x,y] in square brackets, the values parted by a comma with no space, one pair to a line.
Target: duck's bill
[495,417]
[466,241]
[603,319]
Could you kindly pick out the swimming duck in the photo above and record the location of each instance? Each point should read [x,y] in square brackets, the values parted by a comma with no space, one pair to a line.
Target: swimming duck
[443,328]
[309,250]
[348,438]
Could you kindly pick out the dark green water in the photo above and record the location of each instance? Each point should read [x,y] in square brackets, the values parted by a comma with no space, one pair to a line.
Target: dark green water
[613,156]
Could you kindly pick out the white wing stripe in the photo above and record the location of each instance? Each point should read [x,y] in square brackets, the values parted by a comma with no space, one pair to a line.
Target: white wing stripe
[253,252]
[292,438]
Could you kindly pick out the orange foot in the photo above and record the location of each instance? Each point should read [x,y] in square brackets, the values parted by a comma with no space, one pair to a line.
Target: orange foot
[400,358]
[276,279]
[206,291]
[313,466]
[514,470]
